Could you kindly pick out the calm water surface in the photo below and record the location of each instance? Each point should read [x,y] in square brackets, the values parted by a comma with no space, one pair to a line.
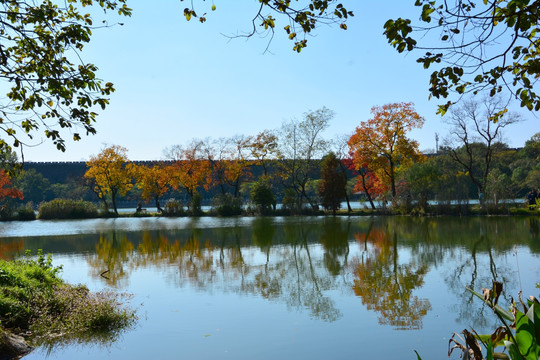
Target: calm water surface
[287,288]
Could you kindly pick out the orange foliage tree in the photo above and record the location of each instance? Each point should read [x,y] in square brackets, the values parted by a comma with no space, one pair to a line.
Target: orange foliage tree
[368,183]
[387,285]
[6,190]
[381,142]
[191,169]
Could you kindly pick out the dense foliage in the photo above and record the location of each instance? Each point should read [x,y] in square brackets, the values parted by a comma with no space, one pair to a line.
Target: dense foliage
[67,209]
[34,299]
[49,87]
[475,46]
[284,166]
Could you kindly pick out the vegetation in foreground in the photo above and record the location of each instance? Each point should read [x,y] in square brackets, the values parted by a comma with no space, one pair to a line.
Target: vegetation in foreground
[519,333]
[37,304]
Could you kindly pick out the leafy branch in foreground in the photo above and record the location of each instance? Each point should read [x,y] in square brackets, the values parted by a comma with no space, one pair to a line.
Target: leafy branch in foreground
[49,87]
[301,19]
[475,46]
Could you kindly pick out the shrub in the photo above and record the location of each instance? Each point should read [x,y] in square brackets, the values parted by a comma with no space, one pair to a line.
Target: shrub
[262,196]
[26,212]
[67,209]
[33,299]
[226,205]
[173,207]
[195,205]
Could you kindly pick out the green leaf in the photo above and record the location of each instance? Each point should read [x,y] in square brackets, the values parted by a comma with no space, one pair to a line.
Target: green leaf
[417,356]
[525,337]
[512,350]
[534,315]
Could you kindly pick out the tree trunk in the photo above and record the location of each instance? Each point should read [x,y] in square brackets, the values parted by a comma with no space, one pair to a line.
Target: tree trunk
[159,209]
[367,192]
[113,199]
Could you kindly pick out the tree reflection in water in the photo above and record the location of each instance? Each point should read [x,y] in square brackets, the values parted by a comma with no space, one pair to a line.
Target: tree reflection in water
[299,261]
[385,285]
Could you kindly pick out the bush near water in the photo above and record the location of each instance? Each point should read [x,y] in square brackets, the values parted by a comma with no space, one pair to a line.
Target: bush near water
[37,303]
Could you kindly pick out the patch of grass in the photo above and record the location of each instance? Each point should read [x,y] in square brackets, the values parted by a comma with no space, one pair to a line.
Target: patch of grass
[35,301]
[67,209]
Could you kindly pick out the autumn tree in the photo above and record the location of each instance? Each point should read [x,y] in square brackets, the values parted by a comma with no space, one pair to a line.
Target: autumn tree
[216,152]
[48,86]
[6,188]
[333,183]
[153,181]
[191,169]
[475,46]
[300,144]
[299,18]
[369,184]
[109,174]
[473,136]
[380,143]
[264,148]
[237,164]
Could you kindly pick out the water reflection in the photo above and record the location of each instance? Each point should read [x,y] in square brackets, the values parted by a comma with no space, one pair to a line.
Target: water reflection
[386,285]
[10,248]
[303,262]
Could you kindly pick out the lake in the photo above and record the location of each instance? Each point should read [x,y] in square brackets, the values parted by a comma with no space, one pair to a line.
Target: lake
[288,288]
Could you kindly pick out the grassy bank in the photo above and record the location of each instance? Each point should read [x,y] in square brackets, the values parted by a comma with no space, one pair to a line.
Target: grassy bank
[37,304]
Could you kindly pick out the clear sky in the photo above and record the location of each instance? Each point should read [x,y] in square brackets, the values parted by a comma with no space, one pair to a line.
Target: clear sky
[179,80]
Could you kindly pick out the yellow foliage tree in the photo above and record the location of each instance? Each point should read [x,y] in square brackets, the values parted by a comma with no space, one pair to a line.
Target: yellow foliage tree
[109,174]
[381,145]
[153,181]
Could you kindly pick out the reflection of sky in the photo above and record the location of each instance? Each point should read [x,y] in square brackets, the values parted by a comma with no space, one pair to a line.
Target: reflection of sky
[224,317]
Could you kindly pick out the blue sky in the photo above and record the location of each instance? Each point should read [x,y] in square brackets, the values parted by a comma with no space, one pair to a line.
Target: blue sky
[179,80]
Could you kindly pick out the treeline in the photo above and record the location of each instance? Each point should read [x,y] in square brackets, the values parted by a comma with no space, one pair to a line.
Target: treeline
[295,167]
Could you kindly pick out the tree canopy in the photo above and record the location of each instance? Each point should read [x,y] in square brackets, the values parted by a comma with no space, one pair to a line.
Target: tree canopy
[49,87]
[478,45]
[381,144]
[109,174]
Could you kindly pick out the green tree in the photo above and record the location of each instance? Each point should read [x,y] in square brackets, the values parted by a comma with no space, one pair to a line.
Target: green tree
[332,185]
[532,147]
[262,195]
[49,87]
[34,185]
[475,45]
[453,185]
[475,140]
[9,162]
[422,180]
